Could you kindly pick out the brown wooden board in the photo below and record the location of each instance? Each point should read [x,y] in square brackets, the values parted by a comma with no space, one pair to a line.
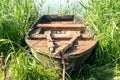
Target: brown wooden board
[60,27]
[60,36]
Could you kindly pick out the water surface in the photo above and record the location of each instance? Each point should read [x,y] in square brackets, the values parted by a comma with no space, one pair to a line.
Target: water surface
[56,6]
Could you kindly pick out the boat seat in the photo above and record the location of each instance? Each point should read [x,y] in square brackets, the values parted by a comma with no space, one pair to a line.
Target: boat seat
[62,27]
[61,36]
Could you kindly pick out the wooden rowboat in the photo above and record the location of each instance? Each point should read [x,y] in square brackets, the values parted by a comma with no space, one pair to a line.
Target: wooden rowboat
[57,40]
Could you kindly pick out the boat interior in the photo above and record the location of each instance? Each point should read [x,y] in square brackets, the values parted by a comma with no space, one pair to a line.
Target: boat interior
[54,34]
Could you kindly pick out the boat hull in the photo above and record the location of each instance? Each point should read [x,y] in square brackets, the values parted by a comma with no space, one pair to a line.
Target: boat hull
[73,62]
[57,40]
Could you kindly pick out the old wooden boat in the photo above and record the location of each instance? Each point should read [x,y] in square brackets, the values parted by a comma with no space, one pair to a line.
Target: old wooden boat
[57,40]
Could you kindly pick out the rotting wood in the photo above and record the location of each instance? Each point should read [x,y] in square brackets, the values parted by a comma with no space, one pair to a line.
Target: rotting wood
[50,42]
[62,22]
[61,36]
[38,31]
[65,47]
[60,27]
[35,31]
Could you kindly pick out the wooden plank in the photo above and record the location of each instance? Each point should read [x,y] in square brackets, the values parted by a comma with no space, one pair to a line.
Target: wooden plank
[62,27]
[50,42]
[67,46]
[62,22]
[38,36]
[61,36]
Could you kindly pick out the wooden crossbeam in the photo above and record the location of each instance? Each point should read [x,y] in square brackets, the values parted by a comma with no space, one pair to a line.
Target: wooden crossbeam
[67,46]
[57,26]
[60,36]
[62,22]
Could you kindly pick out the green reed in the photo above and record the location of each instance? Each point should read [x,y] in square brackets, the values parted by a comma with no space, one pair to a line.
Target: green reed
[102,16]
[23,66]
[16,16]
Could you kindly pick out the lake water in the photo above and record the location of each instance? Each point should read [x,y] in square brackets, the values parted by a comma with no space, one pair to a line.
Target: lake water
[54,6]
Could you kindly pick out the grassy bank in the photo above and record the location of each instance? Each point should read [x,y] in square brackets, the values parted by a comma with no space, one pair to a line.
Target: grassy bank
[16,16]
[102,16]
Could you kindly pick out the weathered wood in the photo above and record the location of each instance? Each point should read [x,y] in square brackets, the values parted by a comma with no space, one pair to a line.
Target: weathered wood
[62,22]
[50,42]
[62,27]
[61,36]
[65,47]
[36,31]
[63,63]
[71,49]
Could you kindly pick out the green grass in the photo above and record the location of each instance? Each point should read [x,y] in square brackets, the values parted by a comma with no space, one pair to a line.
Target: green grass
[15,18]
[102,16]
[23,66]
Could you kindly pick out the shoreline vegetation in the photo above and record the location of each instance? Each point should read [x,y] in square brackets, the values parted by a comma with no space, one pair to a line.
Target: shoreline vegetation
[102,16]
